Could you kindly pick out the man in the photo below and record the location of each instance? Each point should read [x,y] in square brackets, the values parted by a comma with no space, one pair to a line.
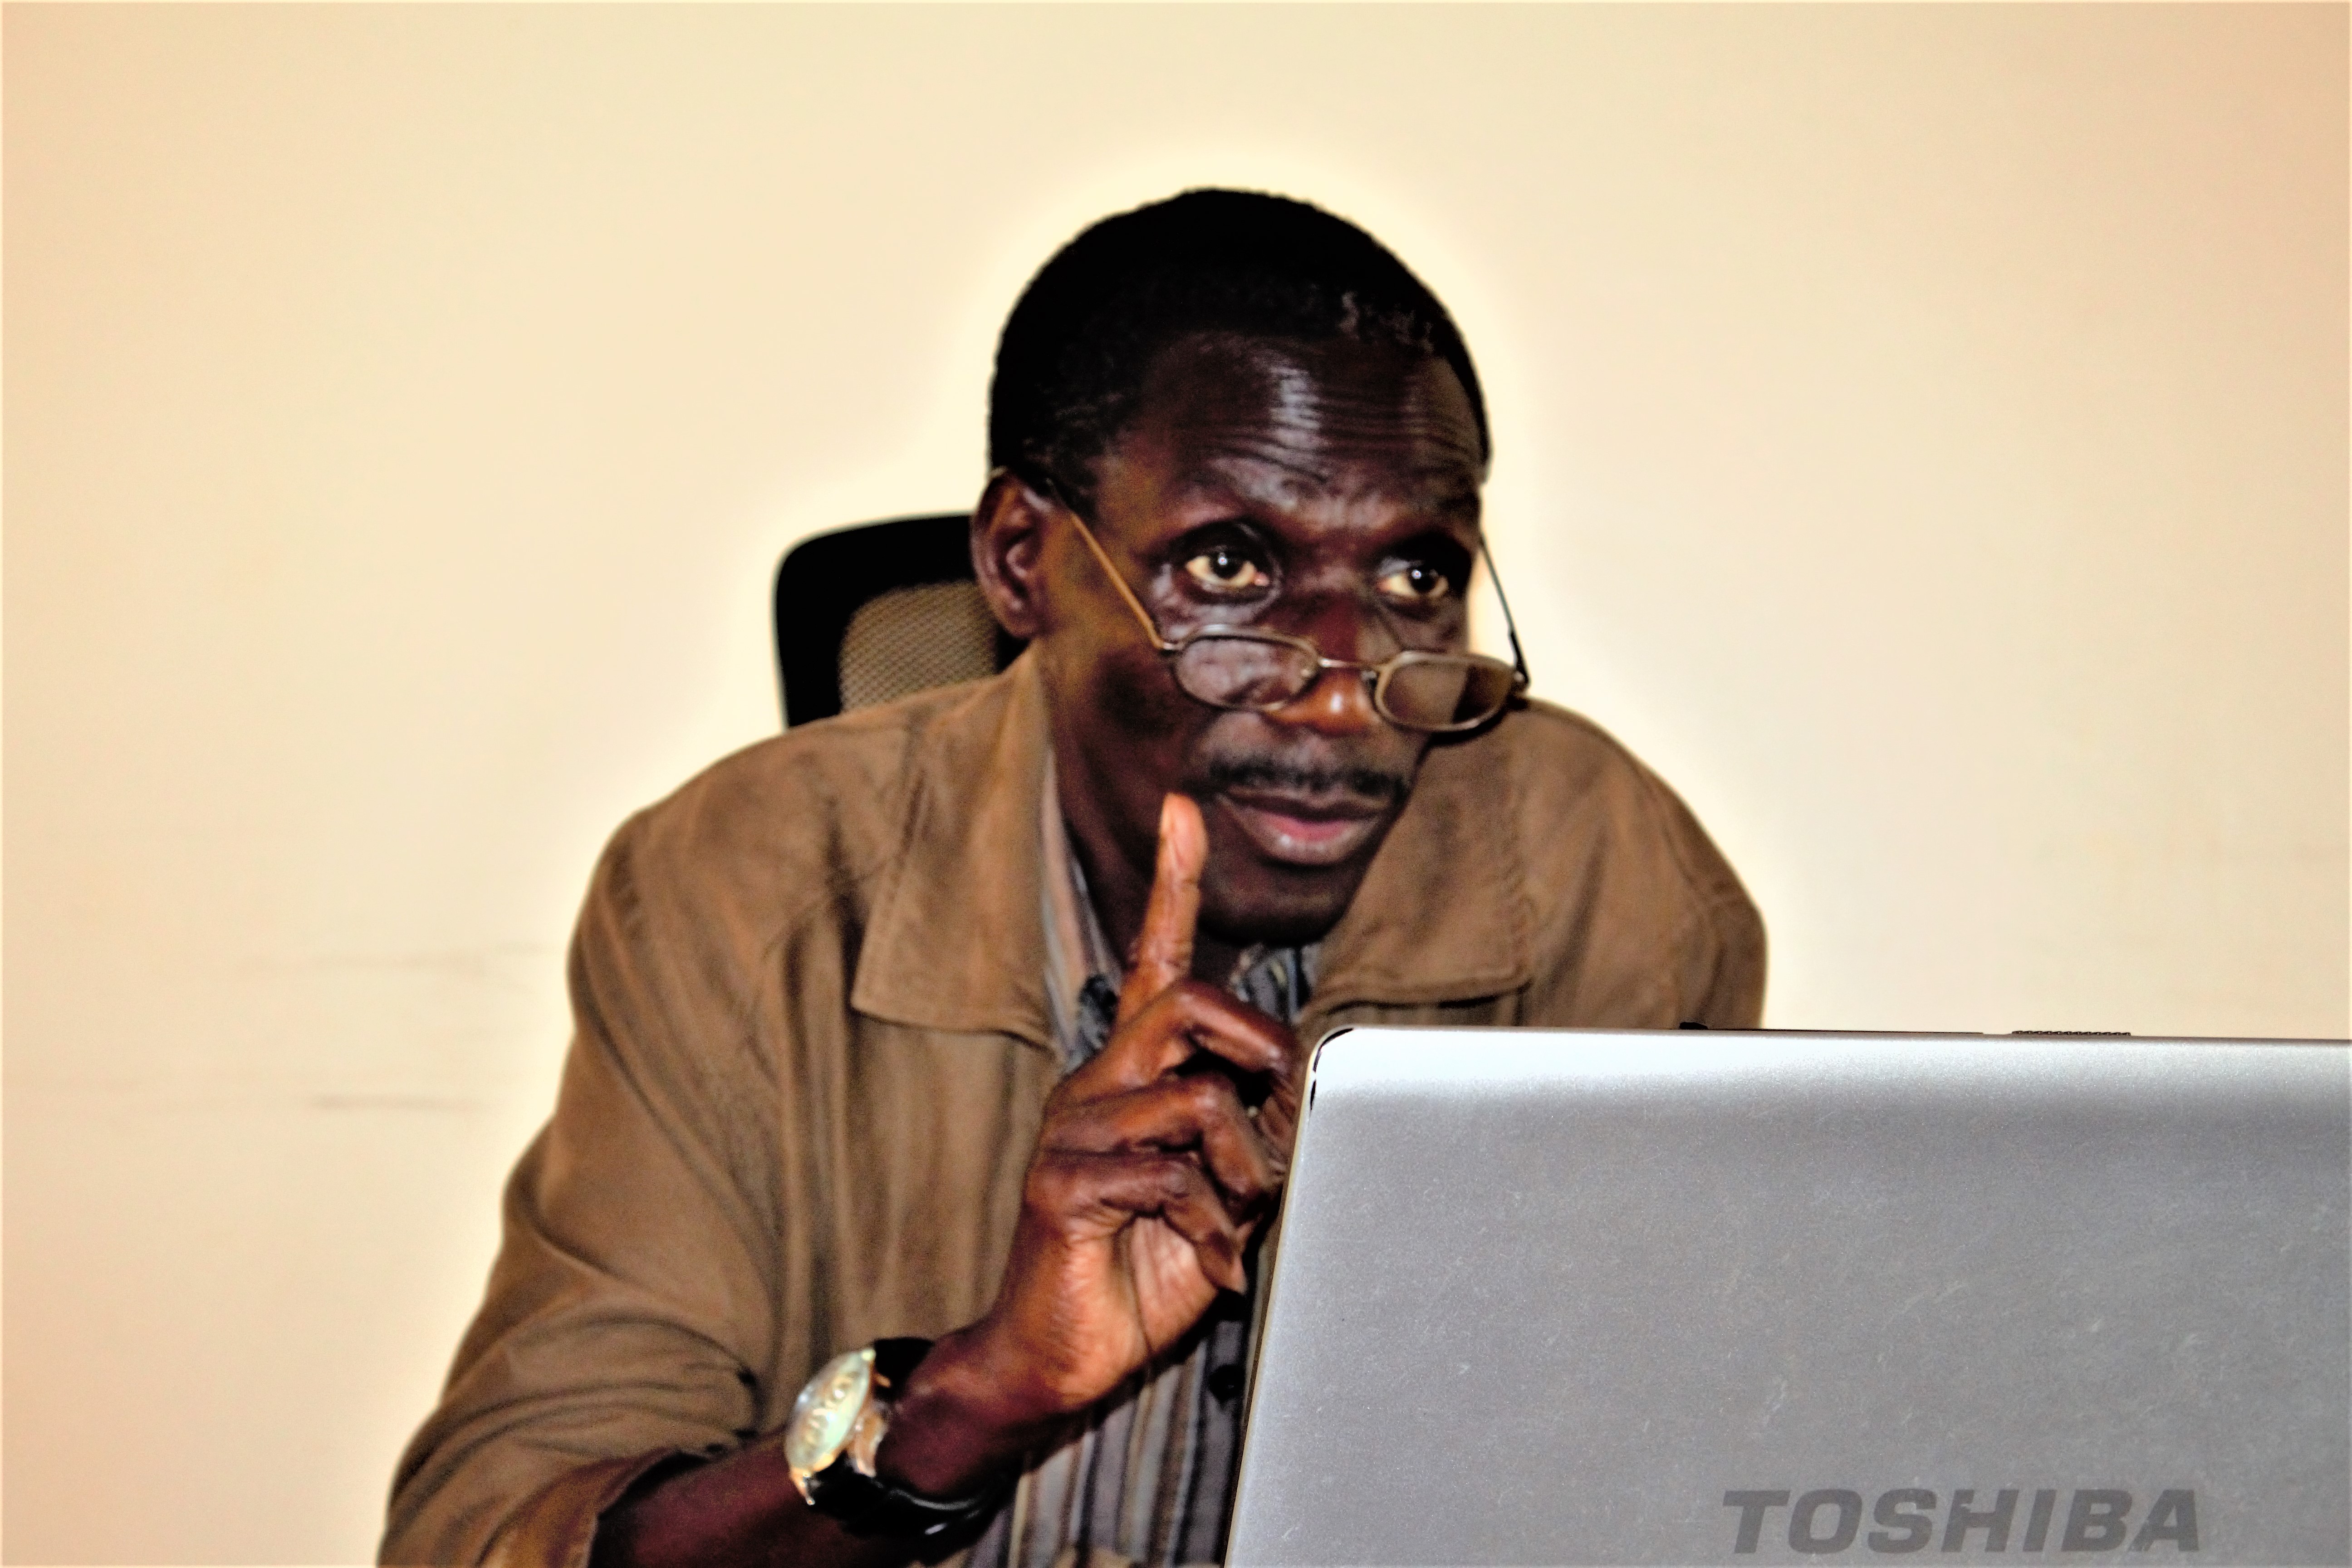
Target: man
[970,1028]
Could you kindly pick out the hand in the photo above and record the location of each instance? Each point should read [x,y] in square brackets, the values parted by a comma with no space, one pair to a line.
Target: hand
[1150,1179]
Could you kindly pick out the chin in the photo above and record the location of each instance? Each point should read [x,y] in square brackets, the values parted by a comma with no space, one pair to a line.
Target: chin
[1279,909]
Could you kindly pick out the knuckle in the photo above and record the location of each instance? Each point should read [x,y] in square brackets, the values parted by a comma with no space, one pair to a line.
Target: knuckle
[1248,1171]
[1210,1095]
[1173,1178]
[1244,1178]
[1201,993]
[1051,1180]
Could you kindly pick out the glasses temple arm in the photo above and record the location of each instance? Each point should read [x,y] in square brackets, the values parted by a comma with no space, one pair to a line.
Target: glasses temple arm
[1510,627]
[1093,546]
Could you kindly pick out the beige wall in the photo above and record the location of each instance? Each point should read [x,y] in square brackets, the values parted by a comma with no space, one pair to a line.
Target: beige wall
[1921,433]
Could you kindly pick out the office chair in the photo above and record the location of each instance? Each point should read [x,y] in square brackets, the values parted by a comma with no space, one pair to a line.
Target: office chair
[872,612]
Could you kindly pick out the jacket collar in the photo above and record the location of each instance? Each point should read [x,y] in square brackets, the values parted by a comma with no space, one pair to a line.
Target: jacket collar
[1442,914]
[956,940]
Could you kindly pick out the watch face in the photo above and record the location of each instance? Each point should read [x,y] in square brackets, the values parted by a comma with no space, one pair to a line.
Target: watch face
[826,1411]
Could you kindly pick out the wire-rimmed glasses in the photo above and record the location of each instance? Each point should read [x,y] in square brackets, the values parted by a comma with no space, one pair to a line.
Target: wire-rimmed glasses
[1256,672]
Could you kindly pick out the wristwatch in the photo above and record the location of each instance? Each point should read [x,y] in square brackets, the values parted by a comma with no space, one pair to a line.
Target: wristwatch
[837,1425]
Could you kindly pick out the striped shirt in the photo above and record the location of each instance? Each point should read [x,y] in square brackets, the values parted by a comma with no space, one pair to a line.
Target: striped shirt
[1150,1479]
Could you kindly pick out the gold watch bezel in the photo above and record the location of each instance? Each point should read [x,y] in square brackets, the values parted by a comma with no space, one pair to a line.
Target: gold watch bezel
[837,1412]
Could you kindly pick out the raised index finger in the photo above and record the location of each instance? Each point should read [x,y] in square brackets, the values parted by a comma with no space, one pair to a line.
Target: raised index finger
[1163,953]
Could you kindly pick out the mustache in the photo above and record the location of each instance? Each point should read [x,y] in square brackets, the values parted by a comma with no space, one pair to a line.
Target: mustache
[1292,778]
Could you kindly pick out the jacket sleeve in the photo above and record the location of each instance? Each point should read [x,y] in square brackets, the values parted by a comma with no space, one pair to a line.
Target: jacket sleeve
[1717,975]
[633,1294]
[1727,975]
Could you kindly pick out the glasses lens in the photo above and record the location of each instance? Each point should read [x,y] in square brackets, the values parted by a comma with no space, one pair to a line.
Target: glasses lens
[1245,671]
[1445,691]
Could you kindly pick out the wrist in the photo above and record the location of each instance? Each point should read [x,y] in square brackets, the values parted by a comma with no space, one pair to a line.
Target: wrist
[963,1420]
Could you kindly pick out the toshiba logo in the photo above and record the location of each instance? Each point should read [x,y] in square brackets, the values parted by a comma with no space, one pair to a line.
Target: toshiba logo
[1911,1518]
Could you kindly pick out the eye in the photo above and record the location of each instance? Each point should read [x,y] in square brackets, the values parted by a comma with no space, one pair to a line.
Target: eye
[1416,583]
[1227,568]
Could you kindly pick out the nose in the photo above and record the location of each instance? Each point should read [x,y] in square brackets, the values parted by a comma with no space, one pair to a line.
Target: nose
[1340,701]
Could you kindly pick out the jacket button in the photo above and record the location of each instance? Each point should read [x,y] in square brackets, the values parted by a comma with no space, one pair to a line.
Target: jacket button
[1224,1382]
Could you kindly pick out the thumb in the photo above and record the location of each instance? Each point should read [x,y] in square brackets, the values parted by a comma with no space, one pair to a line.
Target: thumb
[1163,953]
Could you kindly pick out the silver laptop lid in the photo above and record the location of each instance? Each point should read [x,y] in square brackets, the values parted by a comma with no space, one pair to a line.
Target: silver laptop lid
[1585,1297]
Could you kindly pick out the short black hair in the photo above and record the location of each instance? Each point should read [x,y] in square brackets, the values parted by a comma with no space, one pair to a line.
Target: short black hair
[1072,360]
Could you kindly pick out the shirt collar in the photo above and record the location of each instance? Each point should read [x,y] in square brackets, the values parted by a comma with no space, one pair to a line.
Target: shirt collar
[1084,972]
[1078,950]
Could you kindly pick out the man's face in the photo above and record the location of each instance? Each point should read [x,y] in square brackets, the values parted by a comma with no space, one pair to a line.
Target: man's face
[1327,490]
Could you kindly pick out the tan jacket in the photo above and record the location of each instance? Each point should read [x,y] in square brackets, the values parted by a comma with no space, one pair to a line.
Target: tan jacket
[812,1053]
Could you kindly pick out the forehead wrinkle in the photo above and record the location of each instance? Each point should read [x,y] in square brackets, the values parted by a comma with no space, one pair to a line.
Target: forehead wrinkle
[1295,399]
[1314,440]
[1251,470]
[1278,423]
[1260,470]
[1303,410]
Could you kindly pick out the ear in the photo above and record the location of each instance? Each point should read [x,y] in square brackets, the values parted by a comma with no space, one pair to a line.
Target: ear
[1008,541]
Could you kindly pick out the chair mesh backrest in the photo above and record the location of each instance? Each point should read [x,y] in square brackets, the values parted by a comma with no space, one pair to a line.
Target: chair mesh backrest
[911,640]
[880,610]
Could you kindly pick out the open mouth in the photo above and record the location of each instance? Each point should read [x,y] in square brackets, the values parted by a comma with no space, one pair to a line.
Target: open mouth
[1304,829]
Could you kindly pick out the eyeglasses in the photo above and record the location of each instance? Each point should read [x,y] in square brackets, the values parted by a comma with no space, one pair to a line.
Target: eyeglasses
[1257,672]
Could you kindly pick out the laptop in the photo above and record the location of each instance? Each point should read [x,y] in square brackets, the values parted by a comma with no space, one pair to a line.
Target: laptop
[1727,1298]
